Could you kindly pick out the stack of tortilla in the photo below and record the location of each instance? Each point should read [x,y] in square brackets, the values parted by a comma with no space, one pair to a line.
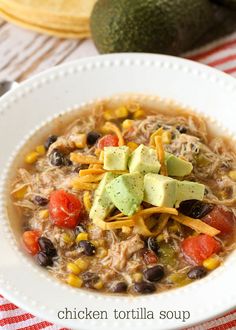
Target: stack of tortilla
[61,18]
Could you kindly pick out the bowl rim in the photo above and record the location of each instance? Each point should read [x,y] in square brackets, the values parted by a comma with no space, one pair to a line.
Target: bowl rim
[46,77]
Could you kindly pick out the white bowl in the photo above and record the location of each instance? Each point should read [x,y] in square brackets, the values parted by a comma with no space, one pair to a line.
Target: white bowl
[28,106]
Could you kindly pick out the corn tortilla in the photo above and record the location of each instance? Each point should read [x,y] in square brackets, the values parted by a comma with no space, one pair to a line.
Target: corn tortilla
[47,24]
[71,10]
[41,29]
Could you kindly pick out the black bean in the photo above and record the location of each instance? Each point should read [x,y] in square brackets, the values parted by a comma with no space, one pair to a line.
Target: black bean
[51,139]
[57,158]
[47,247]
[119,287]
[182,129]
[89,279]
[67,162]
[144,287]
[154,274]
[88,248]
[153,245]
[197,273]
[44,260]
[41,201]
[92,138]
[195,209]
[80,229]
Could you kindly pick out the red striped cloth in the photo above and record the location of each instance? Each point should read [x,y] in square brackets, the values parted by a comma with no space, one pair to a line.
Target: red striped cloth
[220,55]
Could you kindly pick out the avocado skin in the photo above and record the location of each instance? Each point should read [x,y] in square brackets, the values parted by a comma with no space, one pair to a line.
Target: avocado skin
[154,26]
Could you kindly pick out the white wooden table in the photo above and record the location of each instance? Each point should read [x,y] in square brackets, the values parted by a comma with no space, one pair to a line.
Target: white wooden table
[24,53]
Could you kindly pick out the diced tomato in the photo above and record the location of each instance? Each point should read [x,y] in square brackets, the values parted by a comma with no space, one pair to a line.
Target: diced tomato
[30,240]
[220,219]
[64,209]
[198,248]
[150,257]
[108,141]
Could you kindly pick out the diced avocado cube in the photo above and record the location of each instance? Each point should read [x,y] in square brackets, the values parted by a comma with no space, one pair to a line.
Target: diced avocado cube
[177,166]
[116,158]
[102,205]
[126,192]
[144,160]
[187,190]
[159,190]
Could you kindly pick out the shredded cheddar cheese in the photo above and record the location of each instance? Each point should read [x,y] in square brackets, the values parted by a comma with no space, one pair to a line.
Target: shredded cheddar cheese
[115,129]
[114,225]
[197,225]
[161,154]
[88,178]
[143,229]
[83,159]
[77,185]
[87,201]
[159,132]
[91,171]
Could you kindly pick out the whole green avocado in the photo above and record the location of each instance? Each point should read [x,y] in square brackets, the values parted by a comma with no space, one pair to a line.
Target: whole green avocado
[154,26]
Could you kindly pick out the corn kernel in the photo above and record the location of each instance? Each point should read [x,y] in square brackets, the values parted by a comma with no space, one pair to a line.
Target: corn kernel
[126,230]
[80,141]
[108,115]
[81,237]
[82,264]
[101,156]
[101,252]
[139,114]
[128,123]
[75,281]
[132,145]
[43,214]
[95,243]
[98,285]
[232,175]
[212,263]
[32,157]
[41,150]
[67,238]
[121,112]
[160,238]
[166,137]
[137,277]
[98,242]
[133,107]
[20,194]
[87,201]
[73,268]
[97,153]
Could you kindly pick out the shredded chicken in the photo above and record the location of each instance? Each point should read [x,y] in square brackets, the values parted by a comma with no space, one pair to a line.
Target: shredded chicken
[119,253]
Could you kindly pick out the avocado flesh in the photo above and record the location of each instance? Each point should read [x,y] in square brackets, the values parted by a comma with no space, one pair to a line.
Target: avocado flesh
[126,192]
[187,190]
[164,191]
[116,158]
[154,26]
[177,166]
[102,205]
[144,160]
[159,190]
